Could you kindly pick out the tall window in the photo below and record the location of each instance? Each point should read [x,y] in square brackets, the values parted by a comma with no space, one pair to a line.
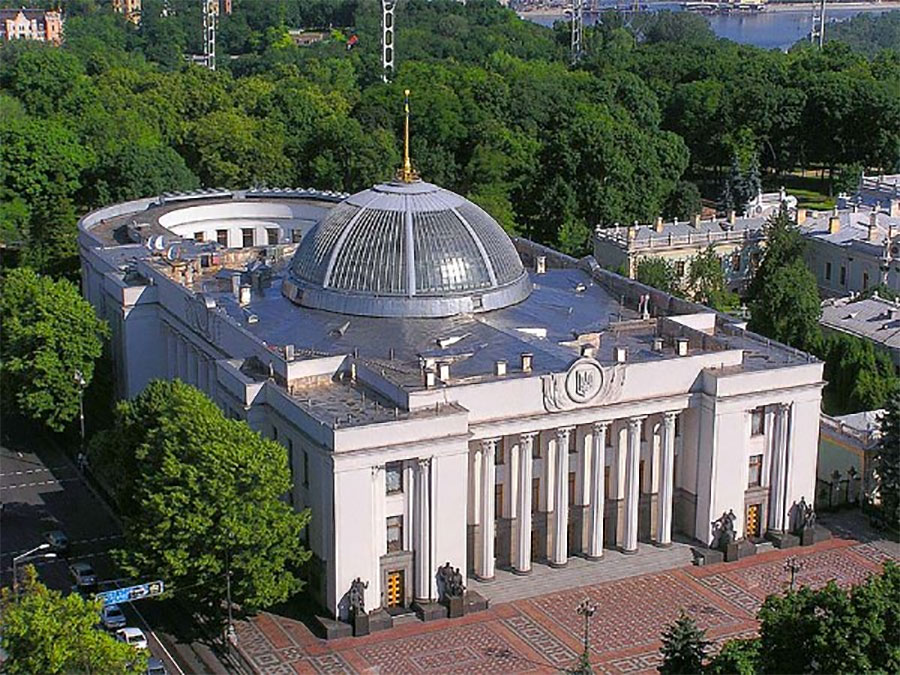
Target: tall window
[828,271]
[222,237]
[272,236]
[498,500]
[679,268]
[736,261]
[393,478]
[290,458]
[641,481]
[755,476]
[535,494]
[865,280]
[758,421]
[247,237]
[499,456]
[394,534]
[536,447]
[296,236]
[571,488]
[843,276]
[606,481]
[198,236]
[305,469]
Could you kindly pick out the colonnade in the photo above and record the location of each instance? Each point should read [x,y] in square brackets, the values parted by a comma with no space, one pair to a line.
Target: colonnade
[592,462]
[187,363]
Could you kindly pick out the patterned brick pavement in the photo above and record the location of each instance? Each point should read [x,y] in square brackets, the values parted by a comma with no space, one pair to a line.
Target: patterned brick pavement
[543,634]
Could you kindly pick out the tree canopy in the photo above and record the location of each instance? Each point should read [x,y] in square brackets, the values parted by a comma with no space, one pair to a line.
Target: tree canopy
[50,336]
[887,460]
[200,495]
[44,631]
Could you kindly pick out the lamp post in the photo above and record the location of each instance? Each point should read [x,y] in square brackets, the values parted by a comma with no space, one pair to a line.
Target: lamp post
[28,555]
[793,566]
[586,609]
[230,634]
[80,381]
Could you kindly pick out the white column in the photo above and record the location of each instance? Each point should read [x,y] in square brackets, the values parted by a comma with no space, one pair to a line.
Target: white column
[523,554]
[666,482]
[486,569]
[561,511]
[632,484]
[379,538]
[777,489]
[423,530]
[598,491]
[409,505]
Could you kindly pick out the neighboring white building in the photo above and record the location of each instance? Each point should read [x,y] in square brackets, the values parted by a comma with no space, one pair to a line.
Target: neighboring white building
[881,192]
[444,395]
[874,319]
[737,241]
[852,250]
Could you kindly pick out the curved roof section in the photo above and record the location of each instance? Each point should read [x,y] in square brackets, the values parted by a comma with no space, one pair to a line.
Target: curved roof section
[407,249]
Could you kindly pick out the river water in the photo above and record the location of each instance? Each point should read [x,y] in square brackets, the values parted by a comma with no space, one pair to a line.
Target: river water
[770,30]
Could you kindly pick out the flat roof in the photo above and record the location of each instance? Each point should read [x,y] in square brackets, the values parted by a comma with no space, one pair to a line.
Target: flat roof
[874,319]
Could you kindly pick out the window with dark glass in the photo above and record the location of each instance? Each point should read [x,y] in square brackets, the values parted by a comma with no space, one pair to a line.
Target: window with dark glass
[395,534]
[828,271]
[305,469]
[641,481]
[843,276]
[198,236]
[393,478]
[272,236]
[222,237]
[498,500]
[247,236]
[296,236]
[736,261]
[535,494]
[758,421]
[499,456]
[571,488]
[679,268]
[755,476]
[536,447]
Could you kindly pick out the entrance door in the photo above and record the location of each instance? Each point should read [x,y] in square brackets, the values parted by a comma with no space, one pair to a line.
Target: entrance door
[753,520]
[395,589]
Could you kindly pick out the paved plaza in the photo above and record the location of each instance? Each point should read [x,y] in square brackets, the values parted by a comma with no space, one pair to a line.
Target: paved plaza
[543,633]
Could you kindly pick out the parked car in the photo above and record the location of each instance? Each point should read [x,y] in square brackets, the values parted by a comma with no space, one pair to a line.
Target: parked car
[112,617]
[155,666]
[59,542]
[83,574]
[132,636]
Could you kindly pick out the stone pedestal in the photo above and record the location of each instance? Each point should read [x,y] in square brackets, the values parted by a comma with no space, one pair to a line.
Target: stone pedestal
[474,602]
[379,619]
[360,623]
[455,606]
[739,549]
[807,536]
[783,539]
[331,629]
[429,611]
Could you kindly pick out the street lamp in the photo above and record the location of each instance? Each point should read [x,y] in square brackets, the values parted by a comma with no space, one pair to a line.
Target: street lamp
[28,555]
[230,633]
[82,383]
[586,609]
[793,566]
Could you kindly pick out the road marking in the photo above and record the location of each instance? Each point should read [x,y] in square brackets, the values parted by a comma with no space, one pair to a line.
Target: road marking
[28,472]
[37,484]
[75,543]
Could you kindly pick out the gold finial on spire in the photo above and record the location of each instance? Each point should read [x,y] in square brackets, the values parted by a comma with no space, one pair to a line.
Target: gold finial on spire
[406,174]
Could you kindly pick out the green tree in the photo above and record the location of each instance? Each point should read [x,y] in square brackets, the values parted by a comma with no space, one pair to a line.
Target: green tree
[201,494]
[706,280]
[832,630]
[50,333]
[737,657]
[659,273]
[683,648]
[887,460]
[684,202]
[784,296]
[859,376]
[574,238]
[44,631]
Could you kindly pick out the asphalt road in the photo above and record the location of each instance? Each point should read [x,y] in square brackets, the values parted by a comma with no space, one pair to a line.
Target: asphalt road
[42,491]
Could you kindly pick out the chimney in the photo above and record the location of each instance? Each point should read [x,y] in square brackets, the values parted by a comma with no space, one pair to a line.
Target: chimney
[834,224]
[632,232]
[894,208]
[621,354]
[527,362]
[587,351]
[245,295]
[236,285]
[444,372]
[801,216]
[289,352]
[873,226]
[659,224]
[658,345]
[540,264]
[429,378]
[695,221]
[500,368]
[681,346]
[732,217]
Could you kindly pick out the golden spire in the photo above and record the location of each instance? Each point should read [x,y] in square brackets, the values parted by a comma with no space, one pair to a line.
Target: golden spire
[406,174]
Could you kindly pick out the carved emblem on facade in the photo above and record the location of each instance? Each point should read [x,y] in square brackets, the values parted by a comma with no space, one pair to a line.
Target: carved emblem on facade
[198,313]
[585,382]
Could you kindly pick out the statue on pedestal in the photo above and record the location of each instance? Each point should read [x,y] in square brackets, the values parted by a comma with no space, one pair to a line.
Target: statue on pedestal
[723,531]
[450,582]
[357,597]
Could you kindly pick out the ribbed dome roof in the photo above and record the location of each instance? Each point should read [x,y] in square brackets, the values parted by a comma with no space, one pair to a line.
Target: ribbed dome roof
[407,249]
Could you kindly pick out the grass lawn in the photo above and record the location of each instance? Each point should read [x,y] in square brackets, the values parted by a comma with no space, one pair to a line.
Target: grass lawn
[810,190]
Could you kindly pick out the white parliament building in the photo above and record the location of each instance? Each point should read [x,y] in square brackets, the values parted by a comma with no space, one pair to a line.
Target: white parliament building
[445,394]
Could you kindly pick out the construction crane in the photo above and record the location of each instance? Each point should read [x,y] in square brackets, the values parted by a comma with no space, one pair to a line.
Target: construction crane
[387,39]
[817,34]
[577,41]
[210,15]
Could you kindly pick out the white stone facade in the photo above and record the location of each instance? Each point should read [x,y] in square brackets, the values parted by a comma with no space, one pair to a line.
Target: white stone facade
[513,438]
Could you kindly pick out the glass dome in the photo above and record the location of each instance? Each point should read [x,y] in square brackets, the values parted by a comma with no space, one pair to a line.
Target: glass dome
[407,249]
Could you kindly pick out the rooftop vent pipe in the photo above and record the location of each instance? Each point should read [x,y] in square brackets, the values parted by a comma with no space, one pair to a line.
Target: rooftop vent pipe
[540,264]
[500,368]
[527,362]
[658,345]
[429,378]
[444,372]
[681,346]
[621,354]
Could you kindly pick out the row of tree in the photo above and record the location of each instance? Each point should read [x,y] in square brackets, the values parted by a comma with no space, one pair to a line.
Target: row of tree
[829,630]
